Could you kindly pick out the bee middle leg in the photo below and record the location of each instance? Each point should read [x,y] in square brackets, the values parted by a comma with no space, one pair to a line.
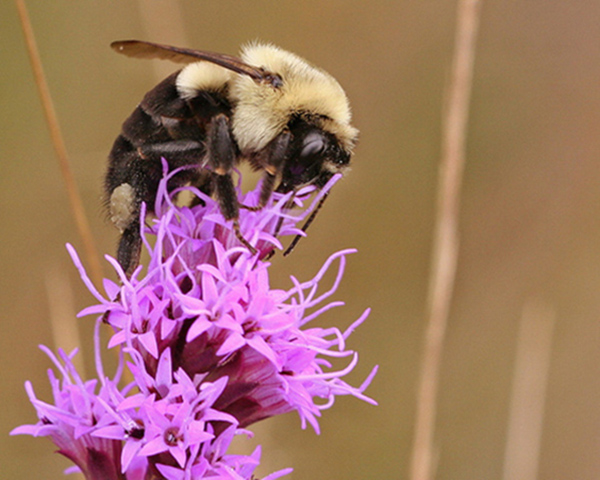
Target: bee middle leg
[222,156]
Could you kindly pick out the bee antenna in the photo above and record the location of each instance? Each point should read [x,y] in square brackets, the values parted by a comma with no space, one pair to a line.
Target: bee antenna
[310,219]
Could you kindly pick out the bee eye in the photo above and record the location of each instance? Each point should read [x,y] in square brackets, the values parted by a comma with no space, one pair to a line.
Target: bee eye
[314,143]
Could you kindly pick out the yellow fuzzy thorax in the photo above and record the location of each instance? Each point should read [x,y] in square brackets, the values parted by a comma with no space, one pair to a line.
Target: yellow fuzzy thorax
[263,111]
[200,76]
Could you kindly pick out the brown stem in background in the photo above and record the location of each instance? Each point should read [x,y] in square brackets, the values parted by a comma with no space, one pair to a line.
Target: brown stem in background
[445,242]
[62,313]
[528,396]
[83,227]
[163,22]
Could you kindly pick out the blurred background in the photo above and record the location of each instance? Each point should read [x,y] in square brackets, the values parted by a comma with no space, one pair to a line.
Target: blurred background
[530,219]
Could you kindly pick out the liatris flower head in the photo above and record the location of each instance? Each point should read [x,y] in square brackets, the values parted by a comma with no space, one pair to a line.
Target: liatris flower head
[210,347]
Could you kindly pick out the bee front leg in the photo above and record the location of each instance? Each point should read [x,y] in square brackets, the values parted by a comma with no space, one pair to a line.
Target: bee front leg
[277,152]
[271,160]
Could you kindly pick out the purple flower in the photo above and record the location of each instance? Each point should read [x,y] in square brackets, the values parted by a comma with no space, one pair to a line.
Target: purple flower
[76,413]
[210,346]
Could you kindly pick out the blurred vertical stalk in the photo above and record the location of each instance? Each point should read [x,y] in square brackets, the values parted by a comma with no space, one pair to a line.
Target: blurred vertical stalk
[446,240]
[526,415]
[63,315]
[163,22]
[83,227]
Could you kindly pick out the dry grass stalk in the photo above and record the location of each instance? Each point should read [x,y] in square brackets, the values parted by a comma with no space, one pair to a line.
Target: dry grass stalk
[446,240]
[81,221]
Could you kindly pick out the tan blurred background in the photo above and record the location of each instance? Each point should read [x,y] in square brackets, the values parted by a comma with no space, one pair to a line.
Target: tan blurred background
[530,221]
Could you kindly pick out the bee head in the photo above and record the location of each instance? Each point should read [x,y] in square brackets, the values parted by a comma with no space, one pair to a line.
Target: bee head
[305,92]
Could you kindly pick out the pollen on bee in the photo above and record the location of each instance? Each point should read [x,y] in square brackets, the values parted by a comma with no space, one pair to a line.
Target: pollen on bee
[122,206]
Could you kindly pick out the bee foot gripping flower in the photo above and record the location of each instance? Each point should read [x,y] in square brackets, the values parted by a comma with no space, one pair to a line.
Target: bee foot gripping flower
[211,349]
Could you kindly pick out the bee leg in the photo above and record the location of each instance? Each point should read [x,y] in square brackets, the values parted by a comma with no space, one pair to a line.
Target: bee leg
[310,219]
[204,182]
[222,156]
[125,202]
[276,153]
[178,152]
[124,209]
[227,198]
[130,248]
[133,177]
[271,161]
[221,160]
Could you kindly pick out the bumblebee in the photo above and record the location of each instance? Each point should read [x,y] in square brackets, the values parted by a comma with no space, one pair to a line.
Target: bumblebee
[268,107]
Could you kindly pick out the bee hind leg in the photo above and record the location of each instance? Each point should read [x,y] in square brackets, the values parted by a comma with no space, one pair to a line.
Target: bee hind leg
[130,248]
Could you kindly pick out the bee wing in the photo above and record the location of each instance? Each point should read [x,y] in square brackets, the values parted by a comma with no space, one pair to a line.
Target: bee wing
[142,49]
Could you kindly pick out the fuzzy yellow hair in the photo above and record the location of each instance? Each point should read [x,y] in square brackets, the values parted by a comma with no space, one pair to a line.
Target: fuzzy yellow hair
[200,76]
[263,111]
